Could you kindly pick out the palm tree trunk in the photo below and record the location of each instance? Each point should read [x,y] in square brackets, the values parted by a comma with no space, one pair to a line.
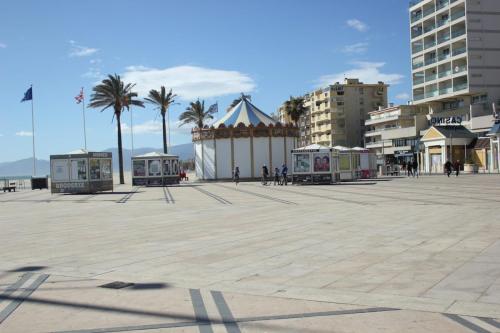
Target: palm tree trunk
[120,149]
[165,148]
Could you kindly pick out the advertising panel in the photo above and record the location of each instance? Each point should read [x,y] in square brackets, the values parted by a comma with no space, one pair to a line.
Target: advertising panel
[321,162]
[301,163]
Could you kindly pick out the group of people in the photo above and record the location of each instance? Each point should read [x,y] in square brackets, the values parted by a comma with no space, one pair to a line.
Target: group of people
[280,176]
[410,168]
[449,167]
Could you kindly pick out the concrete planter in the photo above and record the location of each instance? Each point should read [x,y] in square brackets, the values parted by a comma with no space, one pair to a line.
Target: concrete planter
[471,168]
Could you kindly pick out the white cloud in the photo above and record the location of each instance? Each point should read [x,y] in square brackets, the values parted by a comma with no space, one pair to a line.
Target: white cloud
[189,82]
[80,50]
[403,96]
[367,72]
[3,45]
[357,24]
[24,133]
[355,48]
[155,127]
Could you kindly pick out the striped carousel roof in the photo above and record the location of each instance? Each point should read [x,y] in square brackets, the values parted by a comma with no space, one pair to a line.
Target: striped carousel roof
[246,113]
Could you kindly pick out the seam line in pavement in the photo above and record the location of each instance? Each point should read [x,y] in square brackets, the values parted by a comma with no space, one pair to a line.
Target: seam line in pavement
[13,287]
[225,313]
[491,321]
[200,311]
[213,196]
[236,320]
[264,196]
[5,313]
[127,196]
[465,323]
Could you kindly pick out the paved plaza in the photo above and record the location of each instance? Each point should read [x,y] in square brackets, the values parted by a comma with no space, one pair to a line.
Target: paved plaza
[399,255]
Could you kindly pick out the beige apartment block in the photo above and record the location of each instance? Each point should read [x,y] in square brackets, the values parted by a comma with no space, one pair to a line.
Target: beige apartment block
[393,132]
[336,114]
[455,46]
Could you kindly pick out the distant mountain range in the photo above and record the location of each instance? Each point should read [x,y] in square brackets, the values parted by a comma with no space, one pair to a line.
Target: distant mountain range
[24,167]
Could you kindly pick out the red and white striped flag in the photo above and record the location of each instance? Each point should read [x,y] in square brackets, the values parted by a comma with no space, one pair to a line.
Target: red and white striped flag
[79,98]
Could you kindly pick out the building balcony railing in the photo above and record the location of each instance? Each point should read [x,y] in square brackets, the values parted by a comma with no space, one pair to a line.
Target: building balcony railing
[444,73]
[429,28]
[457,15]
[429,44]
[442,4]
[430,61]
[417,49]
[440,23]
[457,33]
[415,2]
[431,93]
[443,39]
[459,69]
[442,57]
[428,11]
[418,65]
[461,86]
[415,34]
[418,81]
[415,18]
[418,97]
[459,51]
[445,91]
[431,77]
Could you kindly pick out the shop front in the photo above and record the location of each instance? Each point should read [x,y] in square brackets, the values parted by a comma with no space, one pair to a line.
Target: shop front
[314,164]
[445,143]
[155,169]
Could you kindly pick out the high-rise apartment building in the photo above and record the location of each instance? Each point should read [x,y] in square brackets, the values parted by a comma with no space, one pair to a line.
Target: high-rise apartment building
[336,114]
[455,46]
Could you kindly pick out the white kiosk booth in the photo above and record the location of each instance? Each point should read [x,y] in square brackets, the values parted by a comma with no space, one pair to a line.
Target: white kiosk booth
[314,164]
[349,163]
[81,171]
[155,169]
[367,163]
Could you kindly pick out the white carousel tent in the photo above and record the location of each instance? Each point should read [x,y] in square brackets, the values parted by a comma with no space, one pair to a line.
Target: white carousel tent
[245,137]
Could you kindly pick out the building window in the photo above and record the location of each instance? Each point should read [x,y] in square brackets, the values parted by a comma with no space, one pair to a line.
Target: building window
[361,91]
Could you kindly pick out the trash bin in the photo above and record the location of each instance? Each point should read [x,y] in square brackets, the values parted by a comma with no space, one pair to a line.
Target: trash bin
[39,183]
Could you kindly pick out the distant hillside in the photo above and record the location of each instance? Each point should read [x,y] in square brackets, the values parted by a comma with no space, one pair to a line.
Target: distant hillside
[24,167]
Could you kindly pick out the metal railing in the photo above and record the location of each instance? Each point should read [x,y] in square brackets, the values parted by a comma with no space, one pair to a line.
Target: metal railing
[431,77]
[428,11]
[443,57]
[418,97]
[443,39]
[415,18]
[460,86]
[459,69]
[429,28]
[440,23]
[429,44]
[430,61]
[445,91]
[457,33]
[442,4]
[418,81]
[431,93]
[444,73]
[459,51]
[457,15]
[418,65]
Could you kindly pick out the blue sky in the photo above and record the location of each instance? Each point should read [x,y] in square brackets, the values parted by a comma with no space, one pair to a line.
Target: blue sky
[209,49]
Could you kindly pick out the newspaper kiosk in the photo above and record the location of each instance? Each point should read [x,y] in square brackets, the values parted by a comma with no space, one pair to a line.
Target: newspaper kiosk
[155,169]
[349,163]
[81,171]
[314,164]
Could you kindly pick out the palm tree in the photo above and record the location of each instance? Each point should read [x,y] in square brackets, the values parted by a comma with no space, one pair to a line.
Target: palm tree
[113,92]
[195,114]
[163,101]
[295,108]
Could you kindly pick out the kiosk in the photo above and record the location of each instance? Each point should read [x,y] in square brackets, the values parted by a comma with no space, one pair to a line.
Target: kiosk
[367,163]
[155,169]
[81,171]
[349,163]
[314,164]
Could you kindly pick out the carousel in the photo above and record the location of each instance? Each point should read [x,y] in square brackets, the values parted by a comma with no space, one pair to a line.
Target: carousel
[245,137]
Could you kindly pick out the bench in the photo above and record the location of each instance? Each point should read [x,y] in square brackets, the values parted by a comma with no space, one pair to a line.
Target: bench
[11,186]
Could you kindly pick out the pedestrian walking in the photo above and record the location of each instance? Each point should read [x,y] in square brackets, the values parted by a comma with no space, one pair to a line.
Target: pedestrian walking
[409,168]
[456,166]
[447,168]
[284,175]
[265,174]
[403,166]
[415,168]
[236,175]
[276,176]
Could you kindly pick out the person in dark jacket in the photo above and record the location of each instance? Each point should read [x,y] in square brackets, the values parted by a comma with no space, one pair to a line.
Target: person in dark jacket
[409,168]
[447,168]
[415,168]
[284,175]
[456,166]
[276,176]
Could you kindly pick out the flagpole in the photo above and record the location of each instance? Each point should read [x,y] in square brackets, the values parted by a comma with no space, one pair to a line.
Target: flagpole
[33,131]
[84,124]
[132,131]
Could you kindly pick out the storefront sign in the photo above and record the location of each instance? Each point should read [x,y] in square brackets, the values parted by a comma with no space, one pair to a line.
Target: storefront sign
[443,121]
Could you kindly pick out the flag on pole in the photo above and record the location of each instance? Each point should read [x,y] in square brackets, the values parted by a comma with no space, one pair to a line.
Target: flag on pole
[28,95]
[79,97]
[214,108]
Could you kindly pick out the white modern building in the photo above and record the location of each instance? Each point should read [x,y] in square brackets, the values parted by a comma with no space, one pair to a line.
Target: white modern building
[244,137]
[455,46]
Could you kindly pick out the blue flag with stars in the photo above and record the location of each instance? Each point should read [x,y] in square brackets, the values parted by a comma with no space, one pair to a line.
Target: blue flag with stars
[28,95]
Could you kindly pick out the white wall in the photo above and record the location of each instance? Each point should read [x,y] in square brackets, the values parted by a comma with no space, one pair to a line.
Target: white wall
[260,155]
[278,152]
[209,159]
[198,159]
[242,156]
[290,144]
[223,147]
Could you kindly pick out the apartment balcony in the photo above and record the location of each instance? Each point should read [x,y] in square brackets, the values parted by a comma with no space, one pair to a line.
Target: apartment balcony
[460,69]
[457,33]
[445,91]
[431,93]
[429,28]
[428,45]
[428,11]
[460,86]
[416,33]
[443,39]
[442,4]
[430,77]
[442,57]
[457,15]
[444,73]
[418,65]
[418,81]
[416,17]
[415,2]
[417,48]
[459,50]
[418,97]
[440,23]
[430,61]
